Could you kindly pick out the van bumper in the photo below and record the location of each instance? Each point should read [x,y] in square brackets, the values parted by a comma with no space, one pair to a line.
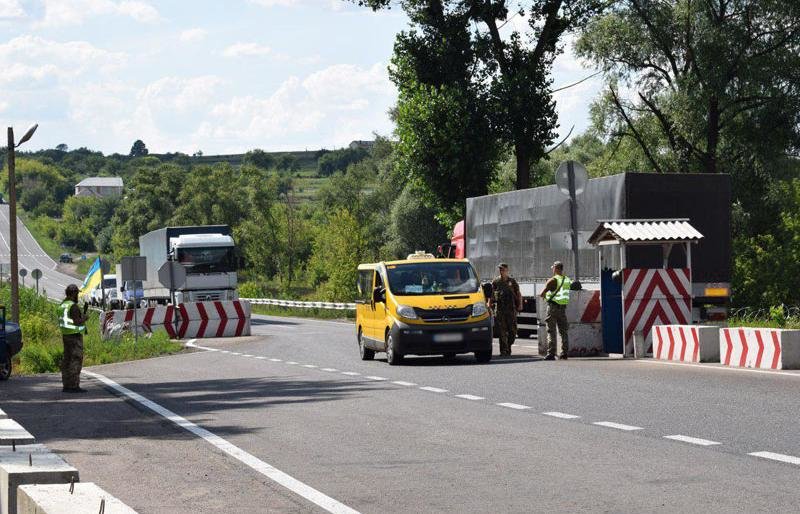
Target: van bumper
[439,339]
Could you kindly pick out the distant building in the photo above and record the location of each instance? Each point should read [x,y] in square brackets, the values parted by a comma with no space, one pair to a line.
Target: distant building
[364,145]
[100,187]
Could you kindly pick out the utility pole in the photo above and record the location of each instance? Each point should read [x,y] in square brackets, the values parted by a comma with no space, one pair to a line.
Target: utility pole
[12,218]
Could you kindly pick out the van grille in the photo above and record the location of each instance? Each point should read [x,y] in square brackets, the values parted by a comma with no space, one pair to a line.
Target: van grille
[444,315]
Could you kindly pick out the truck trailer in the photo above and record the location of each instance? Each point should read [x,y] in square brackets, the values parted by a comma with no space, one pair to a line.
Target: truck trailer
[530,228]
[207,253]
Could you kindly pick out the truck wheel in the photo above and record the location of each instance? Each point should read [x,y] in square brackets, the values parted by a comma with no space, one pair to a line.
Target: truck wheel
[366,353]
[392,357]
[5,368]
[483,357]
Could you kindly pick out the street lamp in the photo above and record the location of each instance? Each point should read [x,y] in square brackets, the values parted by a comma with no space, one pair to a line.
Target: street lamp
[12,218]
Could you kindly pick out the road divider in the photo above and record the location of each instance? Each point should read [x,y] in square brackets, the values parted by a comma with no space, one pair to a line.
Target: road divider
[686,343]
[67,499]
[187,320]
[762,348]
[30,464]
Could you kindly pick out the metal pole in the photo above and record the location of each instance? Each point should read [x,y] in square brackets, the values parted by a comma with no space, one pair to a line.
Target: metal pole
[37,287]
[12,227]
[573,215]
[102,286]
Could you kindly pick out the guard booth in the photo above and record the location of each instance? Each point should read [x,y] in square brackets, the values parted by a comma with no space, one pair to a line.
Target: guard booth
[645,278]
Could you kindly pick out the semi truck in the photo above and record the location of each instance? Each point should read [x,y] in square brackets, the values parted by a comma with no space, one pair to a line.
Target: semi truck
[207,253]
[530,228]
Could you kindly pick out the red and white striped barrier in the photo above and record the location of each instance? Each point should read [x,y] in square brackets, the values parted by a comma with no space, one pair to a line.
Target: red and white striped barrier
[654,297]
[686,343]
[762,348]
[145,320]
[585,328]
[214,319]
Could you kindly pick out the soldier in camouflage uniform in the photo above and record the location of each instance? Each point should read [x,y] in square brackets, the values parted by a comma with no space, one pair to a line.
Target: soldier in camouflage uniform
[72,323]
[506,301]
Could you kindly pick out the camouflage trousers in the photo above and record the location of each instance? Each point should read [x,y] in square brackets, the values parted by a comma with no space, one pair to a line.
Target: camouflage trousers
[72,362]
[557,319]
[507,330]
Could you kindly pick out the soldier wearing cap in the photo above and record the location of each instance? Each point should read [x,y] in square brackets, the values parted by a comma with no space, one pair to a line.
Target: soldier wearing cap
[556,292]
[506,301]
[72,322]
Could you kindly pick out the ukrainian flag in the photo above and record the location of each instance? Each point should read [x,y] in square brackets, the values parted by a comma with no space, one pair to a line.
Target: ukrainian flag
[92,278]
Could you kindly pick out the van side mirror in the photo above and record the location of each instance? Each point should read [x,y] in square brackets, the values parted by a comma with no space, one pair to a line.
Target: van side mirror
[378,295]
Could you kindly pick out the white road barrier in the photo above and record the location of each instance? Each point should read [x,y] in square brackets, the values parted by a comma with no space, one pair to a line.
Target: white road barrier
[302,305]
[686,343]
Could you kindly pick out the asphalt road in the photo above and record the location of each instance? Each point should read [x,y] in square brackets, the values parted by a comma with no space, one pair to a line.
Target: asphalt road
[31,257]
[516,435]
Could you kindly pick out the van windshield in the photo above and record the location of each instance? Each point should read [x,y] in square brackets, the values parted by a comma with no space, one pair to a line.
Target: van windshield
[109,283]
[431,278]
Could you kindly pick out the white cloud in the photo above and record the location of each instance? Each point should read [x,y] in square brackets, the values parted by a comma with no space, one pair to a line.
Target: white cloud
[3,106]
[273,3]
[193,35]
[75,12]
[246,50]
[11,9]
[30,59]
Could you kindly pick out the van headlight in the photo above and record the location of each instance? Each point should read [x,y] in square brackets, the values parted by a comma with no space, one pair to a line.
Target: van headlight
[479,309]
[404,311]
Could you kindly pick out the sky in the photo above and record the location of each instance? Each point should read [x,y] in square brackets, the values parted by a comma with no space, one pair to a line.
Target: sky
[218,77]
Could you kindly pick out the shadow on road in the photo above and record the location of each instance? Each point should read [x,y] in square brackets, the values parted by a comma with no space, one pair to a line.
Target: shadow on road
[262,321]
[38,403]
[464,360]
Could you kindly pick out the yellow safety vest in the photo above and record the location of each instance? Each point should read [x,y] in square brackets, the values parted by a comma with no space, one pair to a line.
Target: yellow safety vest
[65,322]
[561,295]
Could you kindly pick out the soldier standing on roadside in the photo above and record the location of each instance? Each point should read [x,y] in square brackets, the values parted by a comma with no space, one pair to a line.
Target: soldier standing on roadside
[72,323]
[506,301]
[556,292]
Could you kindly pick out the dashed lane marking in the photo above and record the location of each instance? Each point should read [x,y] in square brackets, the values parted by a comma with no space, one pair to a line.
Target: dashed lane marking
[470,397]
[513,406]
[691,440]
[561,415]
[310,366]
[247,355]
[789,459]
[433,389]
[618,426]
[404,383]
[351,373]
[292,362]
[369,377]
[276,360]
[330,370]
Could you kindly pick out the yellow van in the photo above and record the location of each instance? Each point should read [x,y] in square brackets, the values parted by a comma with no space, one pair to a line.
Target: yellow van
[422,306]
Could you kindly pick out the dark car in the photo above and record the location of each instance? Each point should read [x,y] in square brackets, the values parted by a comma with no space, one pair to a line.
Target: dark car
[65,257]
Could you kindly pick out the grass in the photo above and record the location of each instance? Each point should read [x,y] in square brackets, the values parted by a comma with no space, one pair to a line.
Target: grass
[39,232]
[42,347]
[791,323]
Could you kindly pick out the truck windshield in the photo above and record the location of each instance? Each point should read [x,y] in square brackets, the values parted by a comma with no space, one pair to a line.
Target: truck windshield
[109,283]
[207,260]
[431,278]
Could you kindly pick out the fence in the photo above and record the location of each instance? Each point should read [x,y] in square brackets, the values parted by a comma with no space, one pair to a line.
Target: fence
[302,305]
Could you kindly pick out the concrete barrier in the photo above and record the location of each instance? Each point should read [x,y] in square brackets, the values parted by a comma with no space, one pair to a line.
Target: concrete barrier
[12,432]
[57,499]
[686,343]
[145,321]
[764,348]
[30,464]
[214,319]
[585,329]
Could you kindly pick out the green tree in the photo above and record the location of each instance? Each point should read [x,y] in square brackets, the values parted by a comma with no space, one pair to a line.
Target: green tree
[41,188]
[338,160]
[139,149]
[339,247]
[259,158]
[413,226]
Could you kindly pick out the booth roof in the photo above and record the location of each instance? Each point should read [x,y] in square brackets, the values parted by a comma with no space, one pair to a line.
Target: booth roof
[644,231]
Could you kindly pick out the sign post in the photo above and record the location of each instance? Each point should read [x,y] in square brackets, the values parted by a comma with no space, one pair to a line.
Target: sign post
[571,177]
[134,269]
[22,273]
[37,274]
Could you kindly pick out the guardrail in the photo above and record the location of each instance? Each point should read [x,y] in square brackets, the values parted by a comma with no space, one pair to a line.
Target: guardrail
[302,305]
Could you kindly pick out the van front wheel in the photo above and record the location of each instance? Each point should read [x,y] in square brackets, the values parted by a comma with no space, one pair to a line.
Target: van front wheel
[366,353]
[483,357]
[392,357]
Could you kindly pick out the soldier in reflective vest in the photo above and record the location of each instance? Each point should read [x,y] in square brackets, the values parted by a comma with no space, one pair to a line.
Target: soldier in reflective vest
[556,292]
[72,323]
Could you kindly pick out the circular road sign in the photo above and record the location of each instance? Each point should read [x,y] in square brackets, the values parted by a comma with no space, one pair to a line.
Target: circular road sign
[36,274]
[562,177]
[23,272]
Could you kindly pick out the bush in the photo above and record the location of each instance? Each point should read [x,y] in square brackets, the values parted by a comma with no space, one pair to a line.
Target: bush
[251,290]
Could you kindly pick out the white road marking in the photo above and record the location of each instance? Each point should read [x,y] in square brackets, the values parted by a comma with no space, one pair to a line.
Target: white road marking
[259,357]
[235,353]
[618,426]
[690,365]
[561,415]
[470,397]
[375,378]
[310,366]
[513,406]
[247,355]
[433,389]
[276,360]
[691,440]
[266,469]
[402,383]
[789,459]
[330,370]
[351,373]
[291,362]
[225,351]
